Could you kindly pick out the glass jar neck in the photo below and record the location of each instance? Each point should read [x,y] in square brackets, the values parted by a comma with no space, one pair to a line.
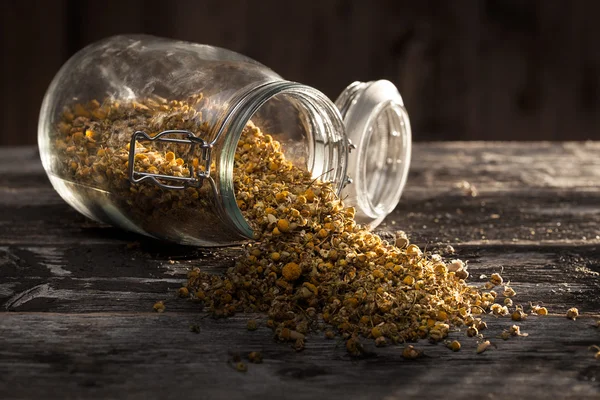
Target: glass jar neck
[326,139]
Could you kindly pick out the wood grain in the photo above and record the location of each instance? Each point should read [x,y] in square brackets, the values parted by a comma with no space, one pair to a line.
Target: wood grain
[76,297]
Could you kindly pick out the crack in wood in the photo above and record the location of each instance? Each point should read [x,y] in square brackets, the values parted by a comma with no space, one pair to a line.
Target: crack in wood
[41,290]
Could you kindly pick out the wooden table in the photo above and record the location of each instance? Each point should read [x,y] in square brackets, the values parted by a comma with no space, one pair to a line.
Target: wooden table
[77,297]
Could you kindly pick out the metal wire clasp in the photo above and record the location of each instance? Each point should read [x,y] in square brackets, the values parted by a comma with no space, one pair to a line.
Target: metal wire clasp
[196,177]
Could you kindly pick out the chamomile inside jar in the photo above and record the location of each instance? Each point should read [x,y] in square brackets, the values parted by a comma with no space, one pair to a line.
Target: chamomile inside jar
[292,135]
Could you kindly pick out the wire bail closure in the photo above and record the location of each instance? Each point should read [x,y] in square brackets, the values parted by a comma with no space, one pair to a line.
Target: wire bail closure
[196,177]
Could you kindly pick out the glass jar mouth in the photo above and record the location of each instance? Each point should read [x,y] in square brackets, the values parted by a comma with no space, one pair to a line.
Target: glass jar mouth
[385,160]
[327,145]
[378,126]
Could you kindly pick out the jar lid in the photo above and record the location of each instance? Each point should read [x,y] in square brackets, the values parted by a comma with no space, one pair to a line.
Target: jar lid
[378,128]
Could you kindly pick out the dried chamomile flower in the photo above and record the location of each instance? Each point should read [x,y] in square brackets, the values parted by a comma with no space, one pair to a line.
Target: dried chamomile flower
[413,251]
[286,334]
[283,225]
[448,249]
[453,345]
[241,366]
[496,279]
[468,189]
[499,310]
[376,332]
[255,357]
[252,325]
[515,330]
[459,268]
[518,315]
[183,292]
[508,291]
[291,271]
[354,347]
[299,344]
[488,297]
[401,239]
[159,306]
[456,265]
[481,325]
[472,331]
[483,346]
[462,274]
[539,310]
[411,353]
[572,313]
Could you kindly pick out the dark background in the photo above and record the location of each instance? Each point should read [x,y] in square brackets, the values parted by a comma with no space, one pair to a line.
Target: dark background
[467,69]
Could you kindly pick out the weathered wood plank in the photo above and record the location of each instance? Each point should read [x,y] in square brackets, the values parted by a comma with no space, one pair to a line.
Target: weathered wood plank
[156,356]
[76,297]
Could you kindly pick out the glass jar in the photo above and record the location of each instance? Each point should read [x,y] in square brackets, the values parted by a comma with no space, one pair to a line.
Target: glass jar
[141,132]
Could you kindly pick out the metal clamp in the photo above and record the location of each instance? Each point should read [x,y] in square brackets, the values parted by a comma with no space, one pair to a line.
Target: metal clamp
[195,179]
